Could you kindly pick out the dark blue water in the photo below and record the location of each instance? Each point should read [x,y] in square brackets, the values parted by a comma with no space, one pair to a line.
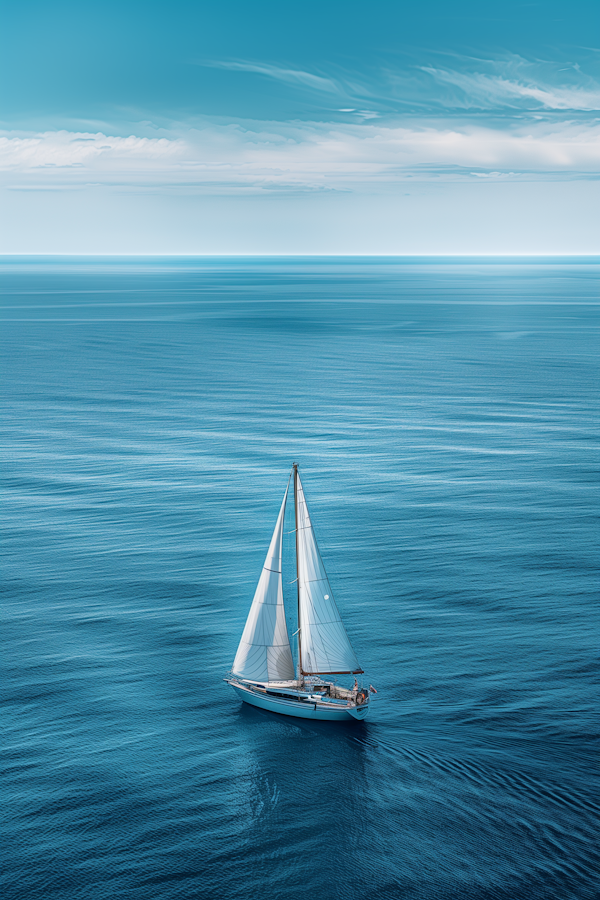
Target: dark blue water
[444,415]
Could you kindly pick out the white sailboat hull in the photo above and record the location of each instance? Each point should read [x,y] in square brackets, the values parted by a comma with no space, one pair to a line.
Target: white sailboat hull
[301,709]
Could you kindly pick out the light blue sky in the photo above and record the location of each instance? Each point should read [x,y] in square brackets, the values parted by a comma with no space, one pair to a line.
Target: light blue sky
[329,127]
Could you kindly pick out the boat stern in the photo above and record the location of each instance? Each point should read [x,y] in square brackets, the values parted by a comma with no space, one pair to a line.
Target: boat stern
[359,712]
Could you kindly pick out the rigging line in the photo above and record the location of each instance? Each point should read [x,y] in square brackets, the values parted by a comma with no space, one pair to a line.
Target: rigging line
[277,571]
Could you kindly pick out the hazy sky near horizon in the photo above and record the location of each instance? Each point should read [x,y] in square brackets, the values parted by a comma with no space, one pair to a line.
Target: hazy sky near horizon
[330,127]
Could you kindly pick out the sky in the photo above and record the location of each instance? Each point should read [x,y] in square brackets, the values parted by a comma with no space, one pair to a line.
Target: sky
[300,128]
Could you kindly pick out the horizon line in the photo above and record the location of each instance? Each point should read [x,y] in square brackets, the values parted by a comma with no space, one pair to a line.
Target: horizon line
[592,255]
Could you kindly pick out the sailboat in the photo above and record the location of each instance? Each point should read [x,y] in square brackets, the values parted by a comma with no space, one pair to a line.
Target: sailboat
[263,671]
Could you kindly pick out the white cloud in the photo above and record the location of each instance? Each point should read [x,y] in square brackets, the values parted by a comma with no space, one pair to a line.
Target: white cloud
[298,156]
[505,82]
[489,91]
[66,149]
[290,76]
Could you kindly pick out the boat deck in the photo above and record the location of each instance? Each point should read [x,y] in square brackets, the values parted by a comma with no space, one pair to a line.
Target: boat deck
[287,698]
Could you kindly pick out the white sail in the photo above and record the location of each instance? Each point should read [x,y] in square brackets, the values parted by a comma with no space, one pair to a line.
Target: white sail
[264,652]
[325,646]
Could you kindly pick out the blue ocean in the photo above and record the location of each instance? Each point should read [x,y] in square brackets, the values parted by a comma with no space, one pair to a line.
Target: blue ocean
[444,415]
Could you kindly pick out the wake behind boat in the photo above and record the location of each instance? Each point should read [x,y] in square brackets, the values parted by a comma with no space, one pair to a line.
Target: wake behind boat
[263,670]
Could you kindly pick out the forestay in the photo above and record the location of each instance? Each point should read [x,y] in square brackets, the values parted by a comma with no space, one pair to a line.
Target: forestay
[264,652]
[326,648]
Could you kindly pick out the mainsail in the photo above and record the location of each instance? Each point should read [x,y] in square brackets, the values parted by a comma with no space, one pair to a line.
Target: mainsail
[264,652]
[325,646]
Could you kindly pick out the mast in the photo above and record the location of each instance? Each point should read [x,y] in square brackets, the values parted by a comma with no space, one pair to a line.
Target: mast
[295,467]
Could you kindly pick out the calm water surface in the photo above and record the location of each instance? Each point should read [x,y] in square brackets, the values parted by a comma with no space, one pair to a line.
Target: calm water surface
[444,415]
